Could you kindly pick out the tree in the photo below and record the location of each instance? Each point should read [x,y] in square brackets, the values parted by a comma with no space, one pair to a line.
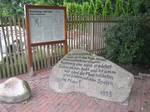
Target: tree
[85,8]
[5,9]
[119,9]
[130,8]
[123,41]
[91,9]
[107,10]
[71,8]
[128,40]
[78,9]
[144,7]
[13,7]
[144,13]
[98,7]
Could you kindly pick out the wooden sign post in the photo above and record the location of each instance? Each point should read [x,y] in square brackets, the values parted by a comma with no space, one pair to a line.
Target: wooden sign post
[44,25]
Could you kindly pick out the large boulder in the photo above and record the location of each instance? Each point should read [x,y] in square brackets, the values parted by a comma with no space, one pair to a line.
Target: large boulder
[80,71]
[14,90]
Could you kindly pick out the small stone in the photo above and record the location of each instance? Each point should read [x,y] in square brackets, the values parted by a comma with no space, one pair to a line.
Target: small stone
[81,71]
[14,90]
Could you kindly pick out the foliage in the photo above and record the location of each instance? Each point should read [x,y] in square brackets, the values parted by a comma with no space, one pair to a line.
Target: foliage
[144,7]
[119,9]
[130,7]
[77,1]
[71,8]
[91,9]
[107,10]
[13,7]
[5,10]
[98,7]
[85,8]
[128,40]
[123,41]
[78,9]
[144,53]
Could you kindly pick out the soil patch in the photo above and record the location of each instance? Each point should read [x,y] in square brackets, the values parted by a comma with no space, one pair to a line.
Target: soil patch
[136,69]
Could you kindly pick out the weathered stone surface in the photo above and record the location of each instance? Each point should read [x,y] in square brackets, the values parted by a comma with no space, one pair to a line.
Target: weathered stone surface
[80,71]
[14,90]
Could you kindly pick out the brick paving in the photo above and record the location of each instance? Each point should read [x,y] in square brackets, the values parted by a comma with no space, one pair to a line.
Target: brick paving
[46,100]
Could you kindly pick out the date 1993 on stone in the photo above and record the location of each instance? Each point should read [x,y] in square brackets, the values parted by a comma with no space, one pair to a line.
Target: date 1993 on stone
[106,93]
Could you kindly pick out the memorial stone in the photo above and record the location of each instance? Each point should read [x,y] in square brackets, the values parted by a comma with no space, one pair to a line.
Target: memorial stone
[81,71]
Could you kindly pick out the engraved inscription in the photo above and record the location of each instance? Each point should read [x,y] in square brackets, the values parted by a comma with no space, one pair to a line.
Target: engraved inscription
[81,71]
[84,66]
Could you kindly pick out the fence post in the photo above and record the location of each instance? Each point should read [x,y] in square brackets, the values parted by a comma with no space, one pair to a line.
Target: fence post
[92,34]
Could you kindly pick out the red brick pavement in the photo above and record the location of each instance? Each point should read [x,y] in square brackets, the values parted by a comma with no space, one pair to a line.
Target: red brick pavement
[46,100]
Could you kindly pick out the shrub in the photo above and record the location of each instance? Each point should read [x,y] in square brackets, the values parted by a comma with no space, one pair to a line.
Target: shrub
[119,9]
[130,8]
[78,9]
[85,8]
[98,7]
[107,9]
[91,7]
[144,12]
[71,7]
[144,7]
[143,55]
[123,40]
[128,40]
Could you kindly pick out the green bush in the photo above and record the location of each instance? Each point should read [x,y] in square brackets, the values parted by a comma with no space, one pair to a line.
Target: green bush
[107,9]
[98,7]
[144,7]
[128,40]
[123,40]
[130,8]
[144,53]
[71,8]
[91,7]
[144,12]
[78,9]
[85,8]
[119,9]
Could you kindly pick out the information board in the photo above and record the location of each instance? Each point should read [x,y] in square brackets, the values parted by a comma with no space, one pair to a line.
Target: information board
[45,25]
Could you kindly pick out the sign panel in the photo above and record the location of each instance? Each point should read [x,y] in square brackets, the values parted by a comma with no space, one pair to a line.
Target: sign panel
[46,25]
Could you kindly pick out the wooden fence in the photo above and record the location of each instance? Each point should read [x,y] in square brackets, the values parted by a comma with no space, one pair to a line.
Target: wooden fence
[83,32]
